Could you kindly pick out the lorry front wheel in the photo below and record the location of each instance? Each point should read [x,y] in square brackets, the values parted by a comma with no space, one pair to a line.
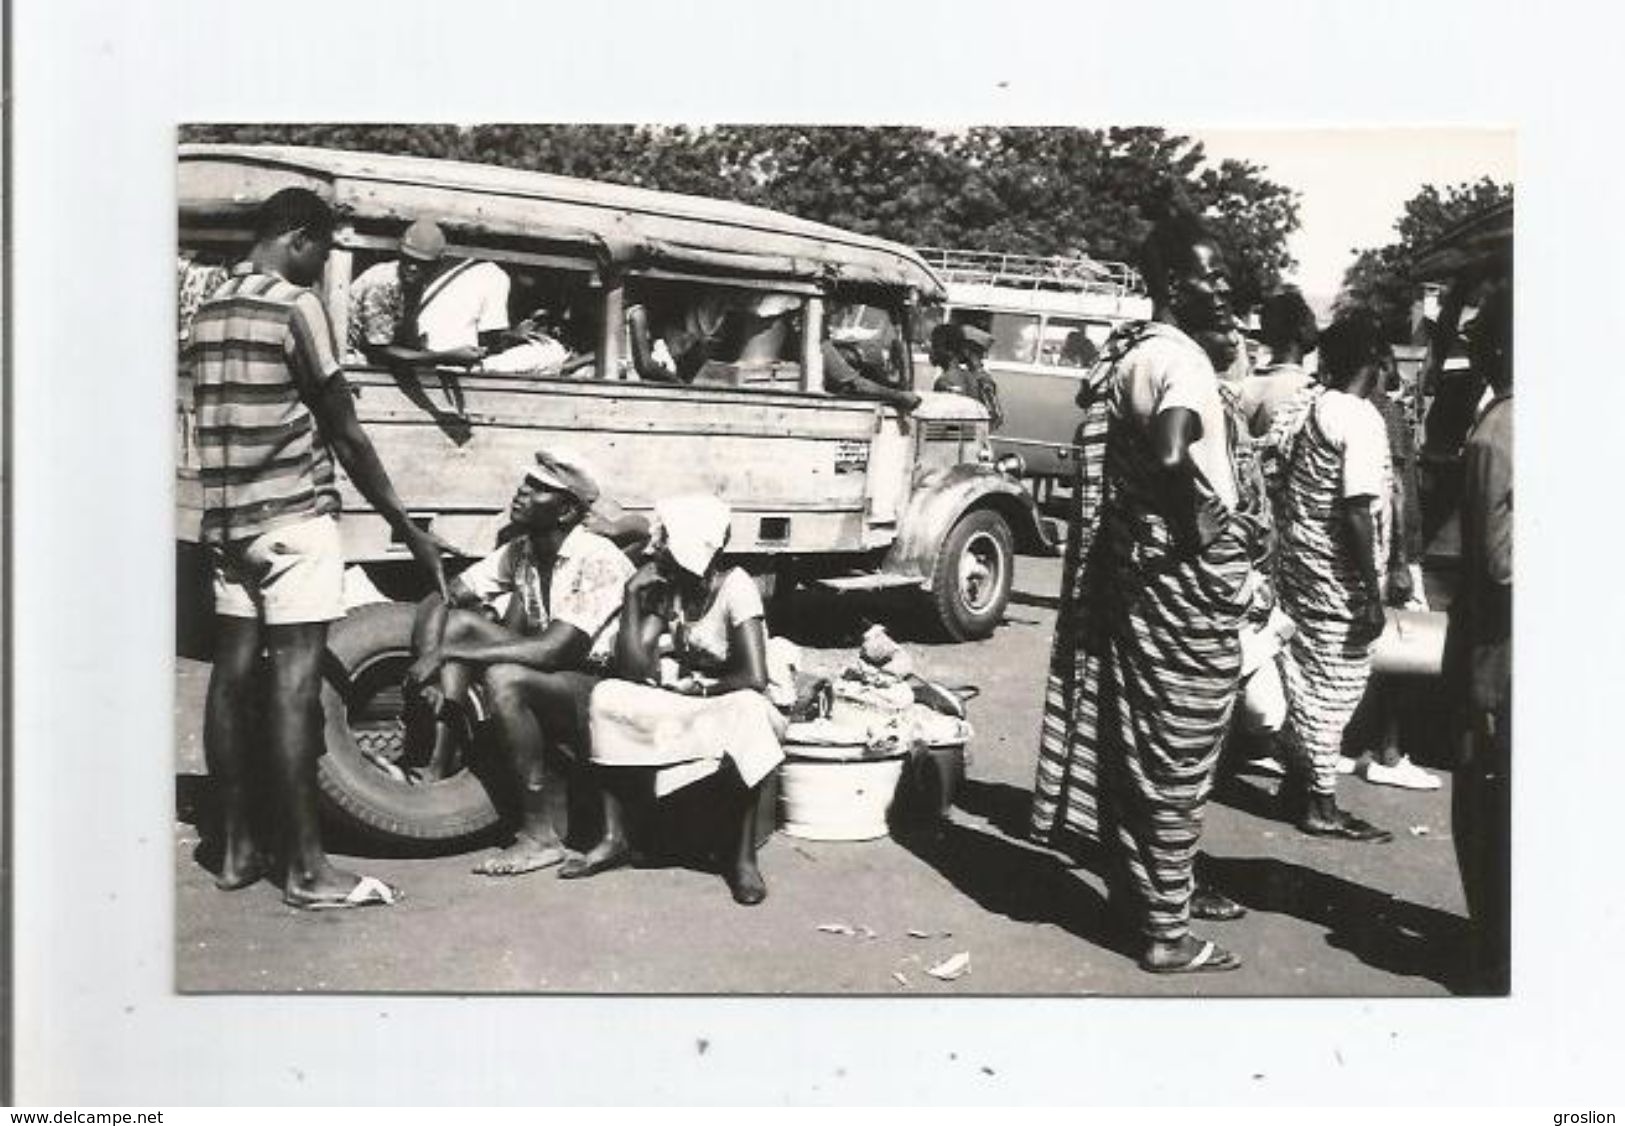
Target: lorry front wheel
[971,583]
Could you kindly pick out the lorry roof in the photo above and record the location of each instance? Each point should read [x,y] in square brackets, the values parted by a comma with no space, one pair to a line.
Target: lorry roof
[632,226]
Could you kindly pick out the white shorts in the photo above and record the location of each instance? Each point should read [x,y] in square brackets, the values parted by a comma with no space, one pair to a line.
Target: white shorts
[292,574]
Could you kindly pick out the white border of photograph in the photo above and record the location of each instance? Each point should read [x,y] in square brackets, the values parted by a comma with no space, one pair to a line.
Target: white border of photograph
[99,91]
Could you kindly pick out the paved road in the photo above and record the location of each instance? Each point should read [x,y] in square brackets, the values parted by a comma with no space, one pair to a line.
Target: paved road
[1326,919]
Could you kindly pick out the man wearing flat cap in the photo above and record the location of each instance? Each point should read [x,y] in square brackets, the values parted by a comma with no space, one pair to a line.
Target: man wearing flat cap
[532,625]
[426,308]
[967,376]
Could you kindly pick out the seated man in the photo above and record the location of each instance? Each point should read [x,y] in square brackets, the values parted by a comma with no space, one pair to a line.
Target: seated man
[425,309]
[538,664]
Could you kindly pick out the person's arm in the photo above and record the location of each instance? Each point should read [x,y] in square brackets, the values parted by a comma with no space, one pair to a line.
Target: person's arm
[845,380]
[1362,537]
[336,418]
[403,355]
[1173,431]
[310,350]
[559,646]
[637,656]
[576,363]
[430,632]
[641,344]
[1487,495]
[747,660]
[1357,430]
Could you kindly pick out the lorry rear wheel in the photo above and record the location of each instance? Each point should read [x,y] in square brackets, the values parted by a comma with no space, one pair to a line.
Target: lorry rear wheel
[362,776]
[971,583]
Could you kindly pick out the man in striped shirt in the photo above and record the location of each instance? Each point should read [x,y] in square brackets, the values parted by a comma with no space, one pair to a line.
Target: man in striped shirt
[273,410]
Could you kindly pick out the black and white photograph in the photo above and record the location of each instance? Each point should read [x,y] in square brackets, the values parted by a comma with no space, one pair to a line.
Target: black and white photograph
[843,560]
[828,555]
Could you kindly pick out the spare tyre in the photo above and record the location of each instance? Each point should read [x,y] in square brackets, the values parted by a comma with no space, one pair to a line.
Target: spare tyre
[362,786]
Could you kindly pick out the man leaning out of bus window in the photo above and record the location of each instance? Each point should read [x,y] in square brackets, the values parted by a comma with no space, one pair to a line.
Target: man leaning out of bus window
[426,308]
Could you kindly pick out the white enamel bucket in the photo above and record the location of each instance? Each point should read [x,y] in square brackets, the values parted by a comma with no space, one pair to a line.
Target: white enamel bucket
[832,794]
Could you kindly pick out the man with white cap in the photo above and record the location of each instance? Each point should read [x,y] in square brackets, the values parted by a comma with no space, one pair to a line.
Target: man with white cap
[532,623]
[425,308]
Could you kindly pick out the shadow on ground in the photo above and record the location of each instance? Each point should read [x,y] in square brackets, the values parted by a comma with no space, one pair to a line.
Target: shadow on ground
[1003,874]
[1391,934]
[1026,883]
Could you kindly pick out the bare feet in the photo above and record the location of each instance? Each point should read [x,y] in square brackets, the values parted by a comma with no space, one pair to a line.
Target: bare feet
[746,883]
[611,852]
[526,854]
[241,868]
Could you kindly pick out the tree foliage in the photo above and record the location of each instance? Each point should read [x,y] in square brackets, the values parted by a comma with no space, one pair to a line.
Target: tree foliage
[1017,189]
[1380,277]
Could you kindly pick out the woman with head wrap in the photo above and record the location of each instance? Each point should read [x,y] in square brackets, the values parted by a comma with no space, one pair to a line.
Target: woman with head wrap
[688,698]
[1164,534]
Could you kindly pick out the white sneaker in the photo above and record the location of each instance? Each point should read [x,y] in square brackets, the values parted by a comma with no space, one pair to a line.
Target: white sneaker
[1346,765]
[1405,774]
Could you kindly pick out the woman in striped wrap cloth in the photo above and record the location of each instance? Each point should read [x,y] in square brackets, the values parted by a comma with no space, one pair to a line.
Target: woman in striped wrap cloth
[1333,478]
[1147,658]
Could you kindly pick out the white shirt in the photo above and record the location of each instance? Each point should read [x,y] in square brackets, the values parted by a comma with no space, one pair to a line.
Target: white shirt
[1169,370]
[585,590]
[458,305]
[1353,426]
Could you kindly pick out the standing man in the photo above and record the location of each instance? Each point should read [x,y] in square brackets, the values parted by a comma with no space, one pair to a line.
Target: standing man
[968,376]
[273,410]
[1163,538]
[1478,657]
[551,591]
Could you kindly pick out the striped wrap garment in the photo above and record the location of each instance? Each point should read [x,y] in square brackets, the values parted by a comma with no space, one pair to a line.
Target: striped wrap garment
[1145,665]
[1324,668]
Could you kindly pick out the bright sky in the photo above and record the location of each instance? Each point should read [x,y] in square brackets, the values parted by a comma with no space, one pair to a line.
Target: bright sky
[1353,182]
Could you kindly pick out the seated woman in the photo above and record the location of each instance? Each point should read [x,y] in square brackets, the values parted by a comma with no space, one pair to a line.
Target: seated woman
[688,698]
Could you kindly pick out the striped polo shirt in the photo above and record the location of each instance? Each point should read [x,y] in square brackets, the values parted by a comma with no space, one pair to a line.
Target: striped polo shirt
[261,348]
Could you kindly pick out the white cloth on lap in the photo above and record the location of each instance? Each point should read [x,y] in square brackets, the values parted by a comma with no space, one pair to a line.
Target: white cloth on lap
[686,737]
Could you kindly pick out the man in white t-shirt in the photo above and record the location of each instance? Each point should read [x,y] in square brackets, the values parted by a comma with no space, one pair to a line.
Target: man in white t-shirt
[533,624]
[427,309]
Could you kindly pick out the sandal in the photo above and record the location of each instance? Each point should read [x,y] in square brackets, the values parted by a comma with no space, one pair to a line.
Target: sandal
[369,891]
[1210,959]
[1214,907]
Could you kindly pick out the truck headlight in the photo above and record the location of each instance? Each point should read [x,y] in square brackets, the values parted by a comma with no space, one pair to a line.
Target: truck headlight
[1011,466]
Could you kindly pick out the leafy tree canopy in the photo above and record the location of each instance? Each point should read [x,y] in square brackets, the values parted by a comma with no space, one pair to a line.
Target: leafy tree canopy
[1380,277]
[1017,189]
